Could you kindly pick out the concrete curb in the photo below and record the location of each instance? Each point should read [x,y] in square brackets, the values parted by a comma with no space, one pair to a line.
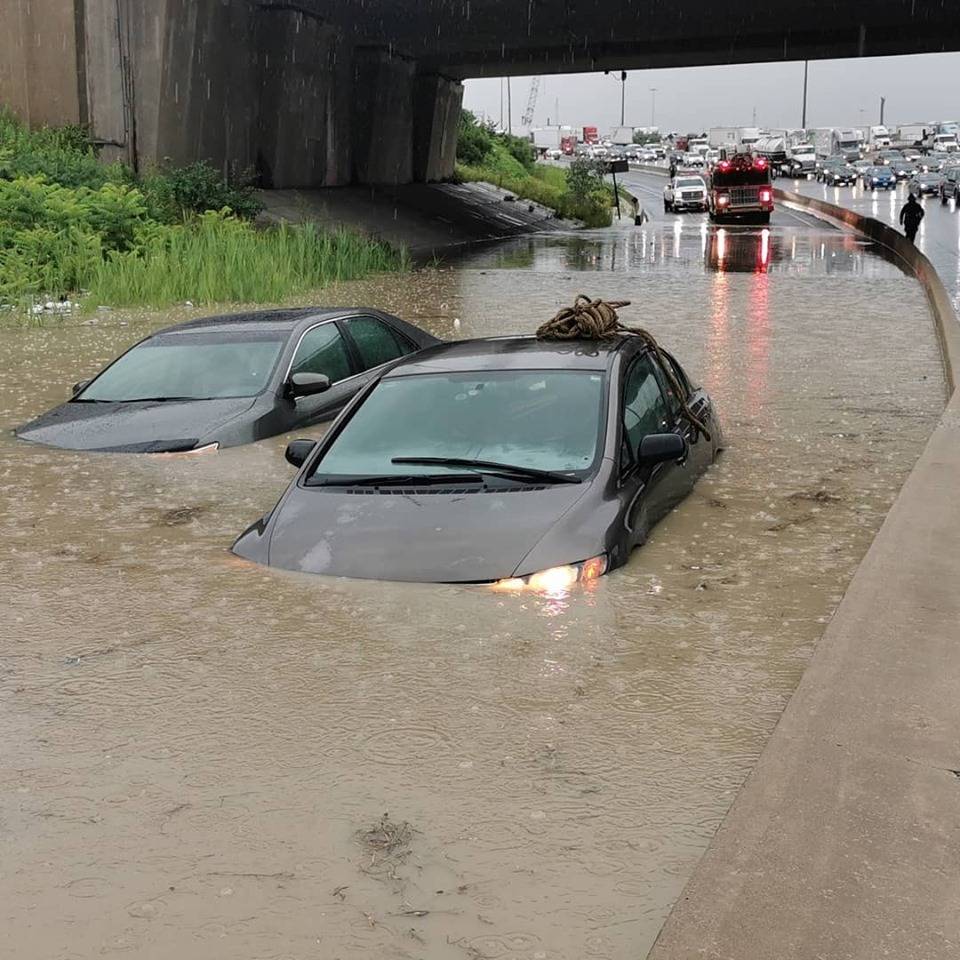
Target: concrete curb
[842,844]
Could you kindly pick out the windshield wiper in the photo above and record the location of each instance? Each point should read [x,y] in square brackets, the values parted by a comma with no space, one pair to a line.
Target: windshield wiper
[393,479]
[158,399]
[488,466]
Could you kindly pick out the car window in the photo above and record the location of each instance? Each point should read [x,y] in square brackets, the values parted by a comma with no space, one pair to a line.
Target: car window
[322,350]
[672,399]
[196,366]
[645,410]
[546,419]
[376,341]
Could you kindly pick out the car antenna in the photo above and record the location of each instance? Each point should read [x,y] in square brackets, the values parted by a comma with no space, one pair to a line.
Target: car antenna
[598,320]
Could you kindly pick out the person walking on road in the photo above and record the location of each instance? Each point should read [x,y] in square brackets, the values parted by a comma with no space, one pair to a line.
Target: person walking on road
[910,217]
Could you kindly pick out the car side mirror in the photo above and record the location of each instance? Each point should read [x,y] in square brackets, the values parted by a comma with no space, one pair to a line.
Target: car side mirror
[78,386]
[661,448]
[298,450]
[308,384]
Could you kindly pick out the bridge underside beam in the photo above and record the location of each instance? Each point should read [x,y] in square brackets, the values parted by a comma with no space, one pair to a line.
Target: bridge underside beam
[330,92]
[621,54]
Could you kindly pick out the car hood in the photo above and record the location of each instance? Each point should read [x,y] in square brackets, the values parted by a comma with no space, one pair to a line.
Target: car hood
[139,427]
[434,537]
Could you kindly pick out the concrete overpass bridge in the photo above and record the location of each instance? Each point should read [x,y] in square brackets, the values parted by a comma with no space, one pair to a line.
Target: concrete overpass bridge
[330,92]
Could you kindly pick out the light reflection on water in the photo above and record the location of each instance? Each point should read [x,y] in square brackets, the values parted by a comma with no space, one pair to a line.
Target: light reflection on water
[191,744]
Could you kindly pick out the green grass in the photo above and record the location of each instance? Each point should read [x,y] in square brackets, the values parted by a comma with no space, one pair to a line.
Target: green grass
[543,184]
[220,259]
[70,226]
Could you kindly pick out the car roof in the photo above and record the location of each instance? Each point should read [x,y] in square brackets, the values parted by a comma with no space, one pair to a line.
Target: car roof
[512,353]
[283,320]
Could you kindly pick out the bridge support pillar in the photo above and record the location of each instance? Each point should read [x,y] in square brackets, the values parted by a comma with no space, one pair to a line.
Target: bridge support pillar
[382,117]
[436,117]
[304,109]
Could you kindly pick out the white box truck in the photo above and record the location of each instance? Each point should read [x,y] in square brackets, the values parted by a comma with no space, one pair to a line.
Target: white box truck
[823,141]
[720,138]
[912,134]
[621,136]
[879,137]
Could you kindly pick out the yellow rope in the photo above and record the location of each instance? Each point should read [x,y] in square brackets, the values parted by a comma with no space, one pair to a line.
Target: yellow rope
[598,320]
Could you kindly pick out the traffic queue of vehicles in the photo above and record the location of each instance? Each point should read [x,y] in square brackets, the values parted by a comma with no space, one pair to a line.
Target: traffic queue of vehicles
[926,156]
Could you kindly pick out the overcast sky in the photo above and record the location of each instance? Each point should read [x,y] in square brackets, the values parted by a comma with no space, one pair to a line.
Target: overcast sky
[920,87]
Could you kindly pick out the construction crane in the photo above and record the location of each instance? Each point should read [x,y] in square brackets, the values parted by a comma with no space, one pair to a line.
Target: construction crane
[527,120]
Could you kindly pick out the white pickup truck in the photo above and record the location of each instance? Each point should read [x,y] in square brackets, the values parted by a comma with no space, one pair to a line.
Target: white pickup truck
[685,192]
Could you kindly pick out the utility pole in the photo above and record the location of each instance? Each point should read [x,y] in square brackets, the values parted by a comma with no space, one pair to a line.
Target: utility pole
[653,106]
[806,70]
[623,97]
[509,109]
[501,103]
[883,106]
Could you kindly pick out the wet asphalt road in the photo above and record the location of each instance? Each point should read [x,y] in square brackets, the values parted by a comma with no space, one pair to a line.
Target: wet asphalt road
[648,187]
[939,236]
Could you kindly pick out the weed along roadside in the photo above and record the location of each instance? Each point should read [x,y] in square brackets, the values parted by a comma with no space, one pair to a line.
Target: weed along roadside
[73,229]
[578,193]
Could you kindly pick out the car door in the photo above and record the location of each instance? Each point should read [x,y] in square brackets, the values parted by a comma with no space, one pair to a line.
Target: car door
[650,491]
[323,350]
[700,449]
[375,342]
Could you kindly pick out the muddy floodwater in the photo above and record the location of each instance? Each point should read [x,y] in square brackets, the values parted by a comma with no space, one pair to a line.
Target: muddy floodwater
[206,759]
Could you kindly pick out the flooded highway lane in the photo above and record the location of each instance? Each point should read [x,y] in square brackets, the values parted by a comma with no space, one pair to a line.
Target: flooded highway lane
[207,759]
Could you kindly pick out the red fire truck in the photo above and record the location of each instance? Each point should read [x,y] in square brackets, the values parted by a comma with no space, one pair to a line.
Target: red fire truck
[739,187]
[591,135]
[568,146]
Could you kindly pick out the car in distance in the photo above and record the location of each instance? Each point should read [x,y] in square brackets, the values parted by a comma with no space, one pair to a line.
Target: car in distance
[227,380]
[925,184]
[885,156]
[838,174]
[878,178]
[904,169]
[511,461]
[935,161]
[685,193]
[950,184]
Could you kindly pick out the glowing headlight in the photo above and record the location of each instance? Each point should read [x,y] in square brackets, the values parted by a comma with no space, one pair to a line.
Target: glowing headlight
[556,580]
[206,448]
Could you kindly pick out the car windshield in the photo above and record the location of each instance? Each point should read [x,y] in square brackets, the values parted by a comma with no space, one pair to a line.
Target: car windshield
[690,182]
[190,367]
[539,419]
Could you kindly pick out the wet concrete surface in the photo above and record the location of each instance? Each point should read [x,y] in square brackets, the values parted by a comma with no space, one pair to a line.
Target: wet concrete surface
[198,754]
[428,219]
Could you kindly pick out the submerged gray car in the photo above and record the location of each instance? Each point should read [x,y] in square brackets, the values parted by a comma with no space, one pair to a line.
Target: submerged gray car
[514,461]
[227,380]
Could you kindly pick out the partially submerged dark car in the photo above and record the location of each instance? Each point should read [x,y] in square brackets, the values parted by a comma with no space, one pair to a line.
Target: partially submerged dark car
[514,461]
[227,380]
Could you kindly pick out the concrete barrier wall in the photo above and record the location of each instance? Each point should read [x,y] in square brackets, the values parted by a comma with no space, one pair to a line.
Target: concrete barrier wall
[843,843]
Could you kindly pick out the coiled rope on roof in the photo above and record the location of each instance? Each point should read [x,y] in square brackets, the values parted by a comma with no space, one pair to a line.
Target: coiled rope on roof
[598,320]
